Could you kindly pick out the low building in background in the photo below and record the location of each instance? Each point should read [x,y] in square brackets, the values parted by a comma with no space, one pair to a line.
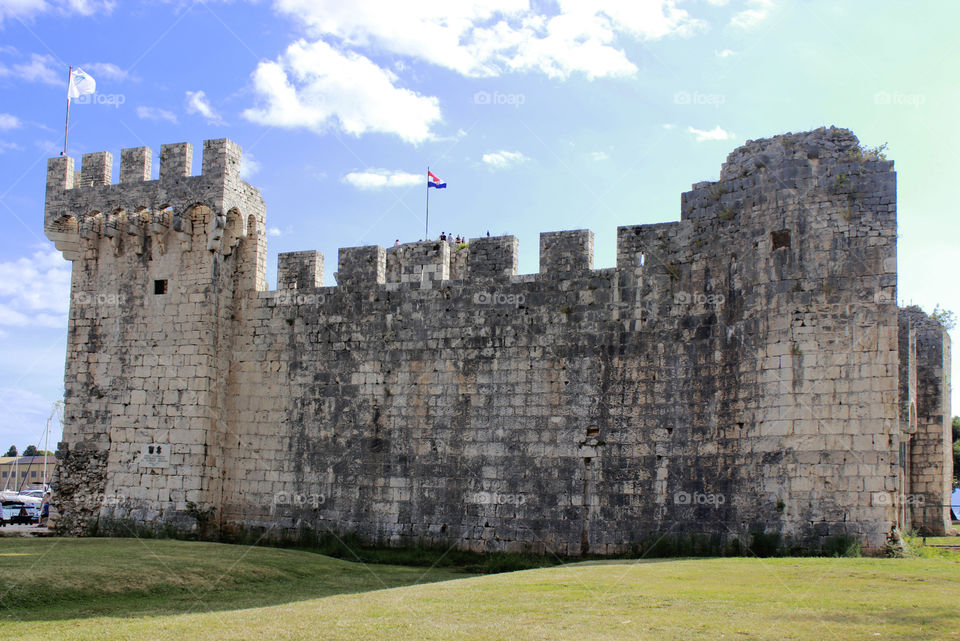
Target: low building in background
[25,472]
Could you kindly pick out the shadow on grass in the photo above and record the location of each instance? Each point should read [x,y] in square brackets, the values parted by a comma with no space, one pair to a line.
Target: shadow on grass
[63,578]
[59,578]
[56,579]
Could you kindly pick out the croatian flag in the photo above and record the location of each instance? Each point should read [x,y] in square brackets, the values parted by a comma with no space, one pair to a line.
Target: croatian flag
[433,181]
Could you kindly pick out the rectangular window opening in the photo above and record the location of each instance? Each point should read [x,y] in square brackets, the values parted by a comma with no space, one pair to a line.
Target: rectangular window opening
[160,287]
[780,238]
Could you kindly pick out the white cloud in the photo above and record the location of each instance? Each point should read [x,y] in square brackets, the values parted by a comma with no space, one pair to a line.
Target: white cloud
[714,134]
[49,146]
[85,7]
[274,231]
[331,82]
[8,146]
[460,134]
[22,9]
[28,9]
[314,86]
[198,103]
[381,178]
[504,159]
[156,113]
[597,156]
[9,121]
[749,18]
[248,166]
[35,290]
[105,71]
[41,68]
[489,37]
[725,53]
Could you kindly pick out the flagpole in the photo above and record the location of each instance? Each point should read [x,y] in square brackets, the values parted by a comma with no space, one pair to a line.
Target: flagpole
[426,225]
[66,126]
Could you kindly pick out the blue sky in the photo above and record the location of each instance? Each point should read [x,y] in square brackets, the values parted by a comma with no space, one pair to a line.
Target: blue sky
[539,115]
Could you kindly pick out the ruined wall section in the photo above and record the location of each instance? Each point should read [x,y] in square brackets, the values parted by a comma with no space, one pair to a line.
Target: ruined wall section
[154,267]
[818,285]
[747,352]
[906,501]
[931,464]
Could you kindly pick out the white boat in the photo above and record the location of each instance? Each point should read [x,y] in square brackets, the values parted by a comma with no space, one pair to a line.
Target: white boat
[17,507]
[30,498]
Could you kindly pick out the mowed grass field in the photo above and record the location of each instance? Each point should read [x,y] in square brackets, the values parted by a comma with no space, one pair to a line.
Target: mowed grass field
[161,589]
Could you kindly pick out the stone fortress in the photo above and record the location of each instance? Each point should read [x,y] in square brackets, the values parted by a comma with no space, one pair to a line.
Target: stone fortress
[743,369]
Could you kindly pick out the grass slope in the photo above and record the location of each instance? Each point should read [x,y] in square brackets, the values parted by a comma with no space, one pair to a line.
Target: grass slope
[731,598]
[73,578]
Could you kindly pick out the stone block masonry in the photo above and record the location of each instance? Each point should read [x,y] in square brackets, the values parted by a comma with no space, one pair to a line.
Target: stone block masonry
[743,369]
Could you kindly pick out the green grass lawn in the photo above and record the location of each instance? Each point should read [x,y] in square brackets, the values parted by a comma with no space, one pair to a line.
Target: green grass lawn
[50,578]
[160,589]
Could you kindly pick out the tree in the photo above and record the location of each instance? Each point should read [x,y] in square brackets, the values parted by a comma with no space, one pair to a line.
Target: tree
[12,451]
[945,317]
[31,451]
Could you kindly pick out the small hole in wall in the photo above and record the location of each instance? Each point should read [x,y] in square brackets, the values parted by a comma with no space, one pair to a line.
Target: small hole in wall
[160,287]
[642,257]
[593,431]
[780,238]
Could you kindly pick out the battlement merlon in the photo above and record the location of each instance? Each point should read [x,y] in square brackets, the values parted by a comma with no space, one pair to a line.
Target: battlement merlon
[73,195]
[566,251]
[300,270]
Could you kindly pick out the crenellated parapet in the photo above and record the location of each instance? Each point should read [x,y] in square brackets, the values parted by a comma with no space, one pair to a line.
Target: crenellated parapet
[770,215]
[427,264]
[84,208]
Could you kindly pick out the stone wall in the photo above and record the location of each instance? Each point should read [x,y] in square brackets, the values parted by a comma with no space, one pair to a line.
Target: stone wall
[738,371]
[931,438]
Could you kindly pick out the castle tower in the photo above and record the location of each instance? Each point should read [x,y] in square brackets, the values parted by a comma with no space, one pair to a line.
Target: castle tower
[156,264]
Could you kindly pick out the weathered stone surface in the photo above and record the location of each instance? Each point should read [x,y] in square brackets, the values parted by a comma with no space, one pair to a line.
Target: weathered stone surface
[743,369]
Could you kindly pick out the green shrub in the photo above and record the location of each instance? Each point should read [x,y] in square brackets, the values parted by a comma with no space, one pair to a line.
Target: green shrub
[842,545]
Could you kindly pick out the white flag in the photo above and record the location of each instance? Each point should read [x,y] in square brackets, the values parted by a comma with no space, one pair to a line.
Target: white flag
[80,84]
